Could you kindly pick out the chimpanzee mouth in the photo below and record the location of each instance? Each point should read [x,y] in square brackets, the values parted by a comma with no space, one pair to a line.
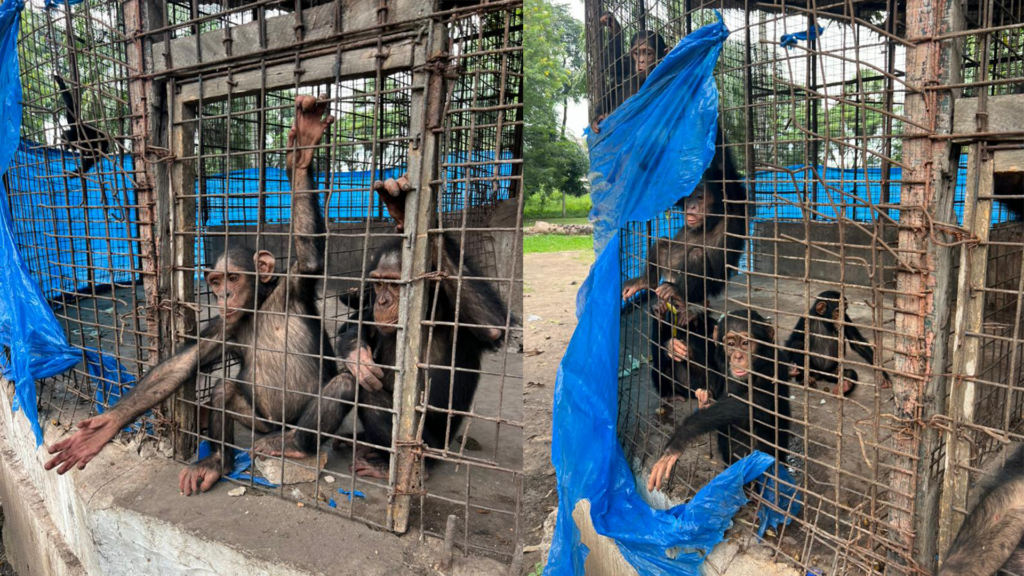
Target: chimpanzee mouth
[739,373]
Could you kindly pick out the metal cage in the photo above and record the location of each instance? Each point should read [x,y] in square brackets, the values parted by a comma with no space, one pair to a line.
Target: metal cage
[868,150]
[193,103]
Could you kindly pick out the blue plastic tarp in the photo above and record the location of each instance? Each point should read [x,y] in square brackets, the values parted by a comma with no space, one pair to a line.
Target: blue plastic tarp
[28,329]
[665,133]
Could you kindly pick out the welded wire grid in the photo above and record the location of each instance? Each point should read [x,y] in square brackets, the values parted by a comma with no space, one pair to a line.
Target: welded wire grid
[83,234]
[213,148]
[237,189]
[480,204]
[834,186]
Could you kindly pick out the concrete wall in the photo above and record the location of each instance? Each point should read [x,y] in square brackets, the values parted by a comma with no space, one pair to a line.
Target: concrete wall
[779,248]
[123,515]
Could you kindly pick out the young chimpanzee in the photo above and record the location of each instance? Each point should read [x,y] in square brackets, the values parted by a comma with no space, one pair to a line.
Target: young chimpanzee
[745,350]
[271,324]
[823,345]
[624,76]
[991,539]
[87,140]
[476,308]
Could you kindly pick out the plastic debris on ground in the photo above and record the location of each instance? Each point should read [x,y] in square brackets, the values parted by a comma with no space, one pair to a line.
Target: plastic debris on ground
[243,461]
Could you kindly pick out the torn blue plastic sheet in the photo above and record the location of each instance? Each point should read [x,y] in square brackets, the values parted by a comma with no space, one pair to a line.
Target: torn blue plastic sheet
[243,461]
[355,493]
[786,498]
[52,3]
[664,133]
[788,41]
[28,329]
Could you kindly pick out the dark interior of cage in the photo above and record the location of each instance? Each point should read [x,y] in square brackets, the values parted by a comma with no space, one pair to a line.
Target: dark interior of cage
[823,215]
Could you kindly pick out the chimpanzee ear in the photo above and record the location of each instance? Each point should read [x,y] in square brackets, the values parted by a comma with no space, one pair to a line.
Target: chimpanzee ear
[771,334]
[714,333]
[264,262]
[820,308]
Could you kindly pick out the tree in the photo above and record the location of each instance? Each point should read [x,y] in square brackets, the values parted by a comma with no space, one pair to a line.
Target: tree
[554,75]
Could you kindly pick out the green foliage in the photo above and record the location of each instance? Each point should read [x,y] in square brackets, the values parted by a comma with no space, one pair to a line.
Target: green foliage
[538,243]
[547,203]
[554,75]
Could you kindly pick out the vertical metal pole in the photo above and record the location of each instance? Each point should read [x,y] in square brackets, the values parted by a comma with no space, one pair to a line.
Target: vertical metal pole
[923,286]
[152,185]
[421,205]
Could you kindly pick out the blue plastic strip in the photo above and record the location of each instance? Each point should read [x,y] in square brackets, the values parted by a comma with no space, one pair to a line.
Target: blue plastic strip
[788,41]
[665,133]
[52,3]
[243,462]
[28,328]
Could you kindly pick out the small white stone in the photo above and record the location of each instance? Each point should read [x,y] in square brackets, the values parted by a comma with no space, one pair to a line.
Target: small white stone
[237,491]
[822,401]
[329,479]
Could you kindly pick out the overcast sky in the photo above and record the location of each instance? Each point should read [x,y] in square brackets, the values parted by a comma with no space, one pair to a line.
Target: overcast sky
[577,119]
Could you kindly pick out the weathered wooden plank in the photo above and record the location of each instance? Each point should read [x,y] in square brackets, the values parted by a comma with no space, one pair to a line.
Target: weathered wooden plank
[317,69]
[318,23]
[1008,161]
[1005,114]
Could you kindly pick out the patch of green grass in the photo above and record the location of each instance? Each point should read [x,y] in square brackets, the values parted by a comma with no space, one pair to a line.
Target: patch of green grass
[556,243]
[538,569]
[542,206]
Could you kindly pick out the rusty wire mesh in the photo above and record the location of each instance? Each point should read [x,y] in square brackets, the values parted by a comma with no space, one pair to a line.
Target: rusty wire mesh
[194,102]
[857,181]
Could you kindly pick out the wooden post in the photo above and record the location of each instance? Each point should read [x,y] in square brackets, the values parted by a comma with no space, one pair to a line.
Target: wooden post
[925,277]
[970,314]
[421,205]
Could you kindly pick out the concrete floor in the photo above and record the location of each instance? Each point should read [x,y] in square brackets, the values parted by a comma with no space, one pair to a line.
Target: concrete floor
[484,500]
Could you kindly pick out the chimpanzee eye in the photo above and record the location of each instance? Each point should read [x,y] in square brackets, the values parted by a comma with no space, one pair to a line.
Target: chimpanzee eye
[233,278]
[745,343]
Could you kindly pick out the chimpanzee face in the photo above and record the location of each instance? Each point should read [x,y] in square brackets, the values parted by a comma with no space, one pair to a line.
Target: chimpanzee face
[738,350]
[696,208]
[233,283]
[386,298]
[643,57]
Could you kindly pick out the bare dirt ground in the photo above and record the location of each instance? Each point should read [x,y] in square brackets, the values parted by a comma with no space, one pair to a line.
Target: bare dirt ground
[552,280]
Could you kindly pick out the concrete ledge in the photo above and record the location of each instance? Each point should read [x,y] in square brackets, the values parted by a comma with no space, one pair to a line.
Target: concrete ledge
[123,515]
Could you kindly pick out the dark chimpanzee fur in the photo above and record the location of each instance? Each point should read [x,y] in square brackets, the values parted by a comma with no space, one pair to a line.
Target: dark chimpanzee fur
[682,367]
[479,306]
[88,141]
[823,344]
[745,353]
[991,539]
[280,376]
[624,75]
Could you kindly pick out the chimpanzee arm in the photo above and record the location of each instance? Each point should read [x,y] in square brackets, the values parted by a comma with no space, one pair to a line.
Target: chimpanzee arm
[795,346]
[478,302]
[308,229]
[857,340]
[726,412]
[167,376]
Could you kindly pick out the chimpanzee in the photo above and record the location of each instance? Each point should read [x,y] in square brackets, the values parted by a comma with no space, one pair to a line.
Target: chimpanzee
[627,75]
[745,350]
[830,307]
[87,140]
[476,307]
[271,325]
[991,539]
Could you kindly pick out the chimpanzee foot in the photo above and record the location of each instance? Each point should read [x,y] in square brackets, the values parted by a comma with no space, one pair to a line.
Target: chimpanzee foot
[280,444]
[201,476]
[844,387]
[372,463]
